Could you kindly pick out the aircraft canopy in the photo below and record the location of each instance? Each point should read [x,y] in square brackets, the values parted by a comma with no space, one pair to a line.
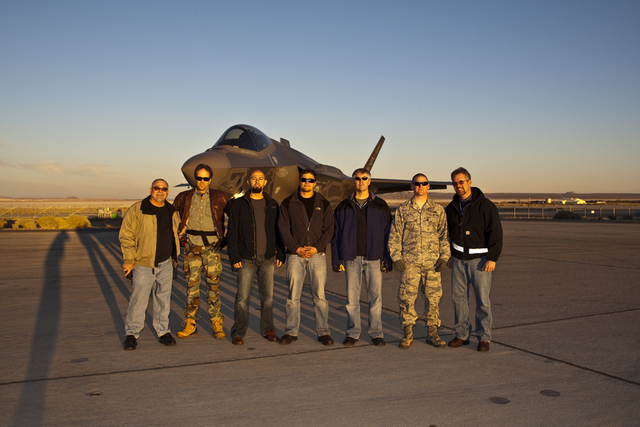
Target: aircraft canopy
[244,136]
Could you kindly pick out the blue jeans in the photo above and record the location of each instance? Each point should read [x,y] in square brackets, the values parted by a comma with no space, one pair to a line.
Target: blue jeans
[297,268]
[356,270]
[150,281]
[466,274]
[264,269]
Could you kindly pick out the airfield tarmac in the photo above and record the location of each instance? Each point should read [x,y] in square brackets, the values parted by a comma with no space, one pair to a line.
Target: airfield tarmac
[565,350]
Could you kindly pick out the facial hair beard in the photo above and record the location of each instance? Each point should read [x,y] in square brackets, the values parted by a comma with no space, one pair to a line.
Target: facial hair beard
[256,190]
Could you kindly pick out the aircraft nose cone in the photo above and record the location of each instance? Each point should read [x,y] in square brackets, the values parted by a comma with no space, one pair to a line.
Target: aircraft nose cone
[217,161]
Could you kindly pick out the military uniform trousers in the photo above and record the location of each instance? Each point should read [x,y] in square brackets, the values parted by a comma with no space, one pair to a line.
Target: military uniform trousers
[413,278]
[197,258]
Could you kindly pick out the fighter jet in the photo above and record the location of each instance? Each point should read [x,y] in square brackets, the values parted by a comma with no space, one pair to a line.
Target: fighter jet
[242,149]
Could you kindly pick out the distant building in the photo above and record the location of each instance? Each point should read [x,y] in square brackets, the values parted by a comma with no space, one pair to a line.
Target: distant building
[571,201]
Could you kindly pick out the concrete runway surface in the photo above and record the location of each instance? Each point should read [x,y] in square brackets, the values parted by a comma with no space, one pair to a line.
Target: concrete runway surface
[565,350]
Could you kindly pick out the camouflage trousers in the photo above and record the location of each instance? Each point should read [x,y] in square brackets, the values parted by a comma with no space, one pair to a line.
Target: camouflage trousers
[197,258]
[413,278]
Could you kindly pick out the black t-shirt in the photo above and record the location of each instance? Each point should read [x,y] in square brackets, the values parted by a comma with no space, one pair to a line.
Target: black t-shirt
[309,204]
[361,230]
[259,206]
[164,242]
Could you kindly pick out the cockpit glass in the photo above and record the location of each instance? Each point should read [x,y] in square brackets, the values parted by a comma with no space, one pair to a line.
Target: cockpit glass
[244,137]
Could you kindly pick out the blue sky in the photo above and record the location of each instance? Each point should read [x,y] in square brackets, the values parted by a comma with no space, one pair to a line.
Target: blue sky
[99,98]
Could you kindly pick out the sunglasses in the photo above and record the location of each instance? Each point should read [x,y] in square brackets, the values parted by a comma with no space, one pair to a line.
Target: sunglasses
[461,182]
[202,178]
[418,184]
[309,180]
[358,178]
[156,188]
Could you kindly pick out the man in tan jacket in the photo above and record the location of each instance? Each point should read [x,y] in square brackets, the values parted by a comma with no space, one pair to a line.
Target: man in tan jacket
[150,247]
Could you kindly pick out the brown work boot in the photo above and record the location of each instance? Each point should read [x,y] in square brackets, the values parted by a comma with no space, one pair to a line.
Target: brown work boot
[189,329]
[433,337]
[407,339]
[218,332]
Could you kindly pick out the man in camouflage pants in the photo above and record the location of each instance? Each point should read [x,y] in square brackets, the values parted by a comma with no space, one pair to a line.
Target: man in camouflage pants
[419,249]
[202,226]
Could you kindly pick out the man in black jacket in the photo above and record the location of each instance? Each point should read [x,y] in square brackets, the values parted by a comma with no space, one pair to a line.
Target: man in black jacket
[306,227]
[254,247]
[475,233]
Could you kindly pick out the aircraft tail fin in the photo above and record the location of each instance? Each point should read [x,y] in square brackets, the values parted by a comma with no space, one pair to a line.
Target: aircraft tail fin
[374,154]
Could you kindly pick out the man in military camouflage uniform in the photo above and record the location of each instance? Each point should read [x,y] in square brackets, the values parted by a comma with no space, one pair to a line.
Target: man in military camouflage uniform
[419,249]
[202,226]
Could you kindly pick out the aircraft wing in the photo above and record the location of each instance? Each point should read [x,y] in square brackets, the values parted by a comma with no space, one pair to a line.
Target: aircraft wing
[381,186]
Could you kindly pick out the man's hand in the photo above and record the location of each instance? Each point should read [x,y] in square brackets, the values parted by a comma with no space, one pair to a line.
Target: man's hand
[399,265]
[489,266]
[278,263]
[440,265]
[217,246]
[127,268]
[237,265]
[449,264]
[385,267]
[306,251]
[338,268]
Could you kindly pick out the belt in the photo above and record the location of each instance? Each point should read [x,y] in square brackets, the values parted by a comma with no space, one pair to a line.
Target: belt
[203,234]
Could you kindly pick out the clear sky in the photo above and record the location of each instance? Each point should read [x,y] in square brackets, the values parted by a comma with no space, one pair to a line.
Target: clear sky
[98,98]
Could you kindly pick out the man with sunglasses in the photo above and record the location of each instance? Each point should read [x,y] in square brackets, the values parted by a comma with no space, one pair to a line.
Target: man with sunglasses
[360,247]
[202,229]
[420,249]
[150,247]
[306,227]
[476,243]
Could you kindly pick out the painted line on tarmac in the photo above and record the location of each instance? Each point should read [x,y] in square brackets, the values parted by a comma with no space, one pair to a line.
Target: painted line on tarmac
[583,368]
[185,365]
[567,318]
[572,262]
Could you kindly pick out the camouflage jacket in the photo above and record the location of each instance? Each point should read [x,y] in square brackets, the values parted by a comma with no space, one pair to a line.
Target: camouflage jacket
[419,236]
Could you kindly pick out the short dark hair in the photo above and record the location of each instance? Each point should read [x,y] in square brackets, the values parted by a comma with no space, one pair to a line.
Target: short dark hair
[200,167]
[461,170]
[419,174]
[360,171]
[305,171]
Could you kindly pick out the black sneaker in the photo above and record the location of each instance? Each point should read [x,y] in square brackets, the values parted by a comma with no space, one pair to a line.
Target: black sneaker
[378,342]
[287,339]
[349,341]
[130,343]
[167,339]
[326,340]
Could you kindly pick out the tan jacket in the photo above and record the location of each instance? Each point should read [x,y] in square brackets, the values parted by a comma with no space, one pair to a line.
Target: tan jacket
[138,235]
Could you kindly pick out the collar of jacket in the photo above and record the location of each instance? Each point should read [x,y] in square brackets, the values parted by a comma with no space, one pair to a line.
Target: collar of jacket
[147,207]
[247,196]
[476,194]
[352,197]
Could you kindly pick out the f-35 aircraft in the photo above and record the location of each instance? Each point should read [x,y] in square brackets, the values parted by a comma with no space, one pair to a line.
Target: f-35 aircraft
[242,149]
